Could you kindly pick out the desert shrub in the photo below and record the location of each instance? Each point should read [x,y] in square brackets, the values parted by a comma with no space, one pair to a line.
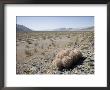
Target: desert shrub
[27,71]
[49,37]
[68,36]
[43,37]
[36,44]
[35,50]
[29,41]
[43,53]
[70,44]
[28,52]
[27,46]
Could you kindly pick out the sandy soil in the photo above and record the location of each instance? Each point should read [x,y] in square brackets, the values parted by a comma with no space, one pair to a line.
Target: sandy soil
[35,51]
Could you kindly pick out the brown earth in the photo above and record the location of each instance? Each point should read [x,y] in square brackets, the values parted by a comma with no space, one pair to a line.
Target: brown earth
[35,51]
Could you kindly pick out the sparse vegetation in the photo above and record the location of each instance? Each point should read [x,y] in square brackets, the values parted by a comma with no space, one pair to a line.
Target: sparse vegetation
[28,52]
[38,50]
[29,41]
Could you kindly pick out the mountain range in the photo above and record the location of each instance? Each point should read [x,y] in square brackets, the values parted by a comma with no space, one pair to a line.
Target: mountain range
[22,28]
[75,29]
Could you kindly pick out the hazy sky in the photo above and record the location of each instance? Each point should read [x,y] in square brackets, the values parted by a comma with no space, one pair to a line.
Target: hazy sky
[53,22]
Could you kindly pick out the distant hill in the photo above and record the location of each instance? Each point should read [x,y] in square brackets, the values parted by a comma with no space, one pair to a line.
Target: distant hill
[22,28]
[63,29]
[75,29]
[88,28]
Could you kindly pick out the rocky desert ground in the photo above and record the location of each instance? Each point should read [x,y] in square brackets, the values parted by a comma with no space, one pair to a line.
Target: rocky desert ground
[35,51]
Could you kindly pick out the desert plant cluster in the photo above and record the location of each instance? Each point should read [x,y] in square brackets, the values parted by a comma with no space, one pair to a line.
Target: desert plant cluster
[55,52]
[67,58]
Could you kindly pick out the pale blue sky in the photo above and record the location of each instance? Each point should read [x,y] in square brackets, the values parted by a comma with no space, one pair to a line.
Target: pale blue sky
[53,22]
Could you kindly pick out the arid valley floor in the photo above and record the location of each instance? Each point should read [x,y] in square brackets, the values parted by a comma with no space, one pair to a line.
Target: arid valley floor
[35,51]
